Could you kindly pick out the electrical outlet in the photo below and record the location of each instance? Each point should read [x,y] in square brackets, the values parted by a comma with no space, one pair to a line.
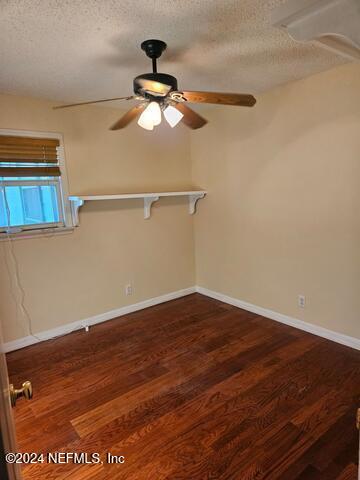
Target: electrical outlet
[301,301]
[128,289]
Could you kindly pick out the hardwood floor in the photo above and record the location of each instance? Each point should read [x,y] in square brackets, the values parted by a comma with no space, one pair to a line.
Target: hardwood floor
[191,389]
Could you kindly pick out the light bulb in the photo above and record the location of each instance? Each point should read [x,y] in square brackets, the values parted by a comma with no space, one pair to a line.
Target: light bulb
[150,117]
[172,116]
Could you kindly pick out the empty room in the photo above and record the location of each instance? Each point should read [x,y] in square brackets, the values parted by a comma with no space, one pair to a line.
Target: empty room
[179,239]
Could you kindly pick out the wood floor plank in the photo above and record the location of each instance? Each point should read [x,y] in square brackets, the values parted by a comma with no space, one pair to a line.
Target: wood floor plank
[329,454]
[147,436]
[249,409]
[191,389]
[349,473]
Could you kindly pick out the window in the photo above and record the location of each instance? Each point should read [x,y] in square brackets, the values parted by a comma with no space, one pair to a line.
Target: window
[32,183]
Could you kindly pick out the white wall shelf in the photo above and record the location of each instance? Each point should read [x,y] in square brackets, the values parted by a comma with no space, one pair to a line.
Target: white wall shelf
[149,198]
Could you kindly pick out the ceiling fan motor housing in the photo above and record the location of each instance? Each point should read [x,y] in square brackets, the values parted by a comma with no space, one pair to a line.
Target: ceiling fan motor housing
[156,77]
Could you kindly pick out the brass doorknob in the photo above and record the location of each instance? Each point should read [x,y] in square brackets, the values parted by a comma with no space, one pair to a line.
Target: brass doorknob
[26,391]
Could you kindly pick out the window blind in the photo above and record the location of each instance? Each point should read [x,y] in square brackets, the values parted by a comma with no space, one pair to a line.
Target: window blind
[39,153]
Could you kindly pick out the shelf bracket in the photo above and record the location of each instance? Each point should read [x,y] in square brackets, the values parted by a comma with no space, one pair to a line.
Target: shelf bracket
[193,200]
[75,204]
[148,201]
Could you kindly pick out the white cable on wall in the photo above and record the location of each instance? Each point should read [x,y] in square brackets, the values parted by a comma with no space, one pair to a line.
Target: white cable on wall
[19,289]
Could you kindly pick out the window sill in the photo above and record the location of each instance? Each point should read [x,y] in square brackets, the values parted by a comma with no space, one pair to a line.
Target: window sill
[40,233]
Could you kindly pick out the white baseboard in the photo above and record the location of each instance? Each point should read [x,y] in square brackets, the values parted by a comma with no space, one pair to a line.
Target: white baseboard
[102,317]
[279,317]
[118,312]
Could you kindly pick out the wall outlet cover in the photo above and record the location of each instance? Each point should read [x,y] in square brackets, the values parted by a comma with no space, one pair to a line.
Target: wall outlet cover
[301,301]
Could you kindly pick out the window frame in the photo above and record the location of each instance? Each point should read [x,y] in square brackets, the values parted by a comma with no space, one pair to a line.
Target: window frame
[65,218]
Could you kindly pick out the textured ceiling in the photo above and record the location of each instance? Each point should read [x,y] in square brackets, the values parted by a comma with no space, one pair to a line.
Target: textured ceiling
[73,50]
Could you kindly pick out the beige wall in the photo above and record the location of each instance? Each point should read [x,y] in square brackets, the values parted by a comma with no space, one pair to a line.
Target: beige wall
[66,278]
[282,216]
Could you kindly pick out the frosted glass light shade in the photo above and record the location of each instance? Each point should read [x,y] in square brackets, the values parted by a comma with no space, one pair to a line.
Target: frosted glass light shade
[172,116]
[150,117]
[155,112]
[145,121]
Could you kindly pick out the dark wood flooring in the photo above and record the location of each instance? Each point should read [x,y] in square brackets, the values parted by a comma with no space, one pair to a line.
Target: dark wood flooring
[191,389]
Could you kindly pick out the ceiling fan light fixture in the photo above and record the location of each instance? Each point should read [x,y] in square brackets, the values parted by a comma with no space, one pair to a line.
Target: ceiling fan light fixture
[150,117]
[172,116]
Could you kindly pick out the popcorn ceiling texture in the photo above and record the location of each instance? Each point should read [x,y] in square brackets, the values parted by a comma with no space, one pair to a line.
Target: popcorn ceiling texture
[74,50]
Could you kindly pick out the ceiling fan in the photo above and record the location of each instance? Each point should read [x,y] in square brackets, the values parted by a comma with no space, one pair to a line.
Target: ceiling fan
[158,92]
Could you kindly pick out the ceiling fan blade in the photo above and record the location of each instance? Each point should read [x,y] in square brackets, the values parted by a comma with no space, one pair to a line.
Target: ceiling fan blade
[129,116]
[94,101]
[240,99]
[154,87]
[191,119]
